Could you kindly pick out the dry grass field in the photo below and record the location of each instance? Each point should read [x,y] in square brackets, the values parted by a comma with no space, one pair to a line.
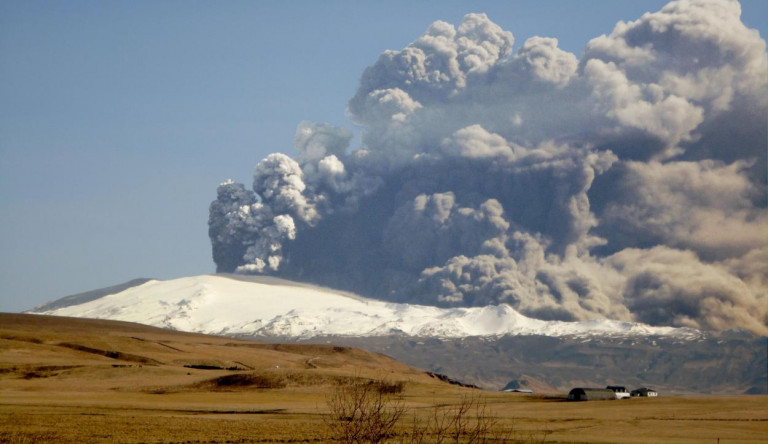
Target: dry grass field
[76,380]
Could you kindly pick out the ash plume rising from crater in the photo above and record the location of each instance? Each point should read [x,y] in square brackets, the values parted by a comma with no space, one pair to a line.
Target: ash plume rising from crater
[628,184]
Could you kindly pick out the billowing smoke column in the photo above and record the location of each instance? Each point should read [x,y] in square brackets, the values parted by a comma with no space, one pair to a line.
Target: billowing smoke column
[629,184]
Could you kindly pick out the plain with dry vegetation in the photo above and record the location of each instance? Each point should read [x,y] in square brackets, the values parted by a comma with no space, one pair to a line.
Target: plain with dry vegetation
[77,380]
[373,411]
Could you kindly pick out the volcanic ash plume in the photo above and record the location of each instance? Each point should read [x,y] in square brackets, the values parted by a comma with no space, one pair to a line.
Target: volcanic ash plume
[629,184]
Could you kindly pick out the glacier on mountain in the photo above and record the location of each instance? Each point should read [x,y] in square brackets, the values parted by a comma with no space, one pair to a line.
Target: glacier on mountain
[264,306]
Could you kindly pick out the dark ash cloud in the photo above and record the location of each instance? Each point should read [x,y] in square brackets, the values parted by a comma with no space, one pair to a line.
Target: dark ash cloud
[628,184]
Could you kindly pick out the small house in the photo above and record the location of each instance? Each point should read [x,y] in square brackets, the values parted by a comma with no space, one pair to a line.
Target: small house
[590,394]
[619,391]
[644,392]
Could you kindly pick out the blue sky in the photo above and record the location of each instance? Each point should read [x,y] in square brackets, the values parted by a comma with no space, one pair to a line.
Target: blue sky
[119,119]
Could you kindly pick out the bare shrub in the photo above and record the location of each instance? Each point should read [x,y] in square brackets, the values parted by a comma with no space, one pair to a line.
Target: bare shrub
[467,422]
[363,412]
[389,388]
[261,381]
[240,381]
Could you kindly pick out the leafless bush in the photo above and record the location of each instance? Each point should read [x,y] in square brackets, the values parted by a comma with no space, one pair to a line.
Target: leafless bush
[245,381]
[467,422]
[389,388]
[362,412]
[366,412]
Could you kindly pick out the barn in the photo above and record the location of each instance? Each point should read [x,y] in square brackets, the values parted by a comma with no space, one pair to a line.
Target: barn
[644,392]
[620,391]
[590,394]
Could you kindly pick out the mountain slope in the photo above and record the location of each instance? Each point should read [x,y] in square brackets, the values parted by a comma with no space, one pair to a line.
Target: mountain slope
[269,307]
[82,298]
[37,346]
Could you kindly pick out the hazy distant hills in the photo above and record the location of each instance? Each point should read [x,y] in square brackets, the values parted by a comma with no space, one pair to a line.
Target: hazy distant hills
[721,364]
[487,346]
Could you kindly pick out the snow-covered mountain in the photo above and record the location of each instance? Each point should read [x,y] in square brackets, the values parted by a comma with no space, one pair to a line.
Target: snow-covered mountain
[263,306]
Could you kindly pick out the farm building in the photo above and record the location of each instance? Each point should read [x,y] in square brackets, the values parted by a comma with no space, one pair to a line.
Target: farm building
[644,392]
[590,394]
[619,391]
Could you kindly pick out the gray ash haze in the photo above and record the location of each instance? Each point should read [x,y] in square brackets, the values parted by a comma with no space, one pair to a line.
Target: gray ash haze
[628,183]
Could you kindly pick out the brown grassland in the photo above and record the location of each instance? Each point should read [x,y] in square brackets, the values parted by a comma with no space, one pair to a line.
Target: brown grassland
[77,380]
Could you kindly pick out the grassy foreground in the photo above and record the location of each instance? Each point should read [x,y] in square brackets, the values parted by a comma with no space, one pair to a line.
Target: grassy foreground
[76,380]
